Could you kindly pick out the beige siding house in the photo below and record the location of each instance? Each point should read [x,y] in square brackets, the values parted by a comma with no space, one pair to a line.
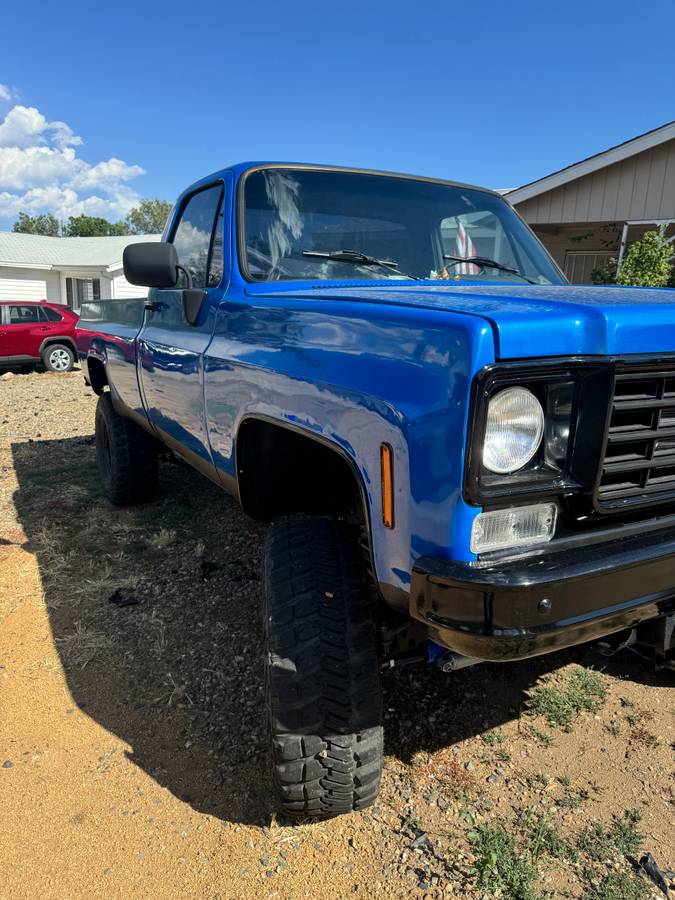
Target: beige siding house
[65,270]
[586,213]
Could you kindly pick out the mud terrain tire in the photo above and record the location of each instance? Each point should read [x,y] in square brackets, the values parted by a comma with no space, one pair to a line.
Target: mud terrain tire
[322,669]
[126,457]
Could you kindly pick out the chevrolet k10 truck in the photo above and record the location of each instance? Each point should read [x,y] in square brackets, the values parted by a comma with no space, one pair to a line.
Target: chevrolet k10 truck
[462,456]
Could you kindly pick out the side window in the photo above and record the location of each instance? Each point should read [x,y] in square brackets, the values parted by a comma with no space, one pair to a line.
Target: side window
[50,314]
[23,315]
[198,239]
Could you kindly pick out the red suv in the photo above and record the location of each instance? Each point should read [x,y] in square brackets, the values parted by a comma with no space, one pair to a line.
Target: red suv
[33,332]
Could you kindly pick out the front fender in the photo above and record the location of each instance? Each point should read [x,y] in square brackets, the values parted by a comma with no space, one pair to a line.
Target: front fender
[357,377]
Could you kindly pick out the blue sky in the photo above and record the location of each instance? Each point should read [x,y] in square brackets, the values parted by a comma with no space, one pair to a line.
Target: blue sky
[122,100]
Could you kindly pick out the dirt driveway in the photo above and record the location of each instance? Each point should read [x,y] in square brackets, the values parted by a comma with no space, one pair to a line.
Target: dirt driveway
[133,760]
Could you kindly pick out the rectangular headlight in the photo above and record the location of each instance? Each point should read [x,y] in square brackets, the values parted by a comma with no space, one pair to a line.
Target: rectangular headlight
[514,528]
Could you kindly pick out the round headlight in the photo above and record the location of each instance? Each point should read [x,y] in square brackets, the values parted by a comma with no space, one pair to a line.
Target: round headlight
[515,426]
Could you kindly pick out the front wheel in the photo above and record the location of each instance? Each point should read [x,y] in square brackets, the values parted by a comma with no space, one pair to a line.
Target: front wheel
[322,669]
[58,358]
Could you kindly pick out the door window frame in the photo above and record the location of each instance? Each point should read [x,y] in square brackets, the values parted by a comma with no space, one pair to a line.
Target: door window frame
[219,216]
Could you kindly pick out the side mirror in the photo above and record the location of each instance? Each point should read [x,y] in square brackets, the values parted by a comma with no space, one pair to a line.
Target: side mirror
[151,264]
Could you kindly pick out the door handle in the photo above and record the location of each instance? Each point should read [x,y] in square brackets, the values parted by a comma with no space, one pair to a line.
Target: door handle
[153,307]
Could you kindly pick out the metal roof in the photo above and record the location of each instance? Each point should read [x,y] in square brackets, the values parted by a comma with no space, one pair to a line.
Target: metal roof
[36,251]
[592,163]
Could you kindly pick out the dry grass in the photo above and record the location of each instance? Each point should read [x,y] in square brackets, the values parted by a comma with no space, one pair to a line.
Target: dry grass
[164,538]
[82,646]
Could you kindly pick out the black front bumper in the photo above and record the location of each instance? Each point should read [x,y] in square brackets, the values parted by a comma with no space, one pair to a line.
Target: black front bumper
[514,609]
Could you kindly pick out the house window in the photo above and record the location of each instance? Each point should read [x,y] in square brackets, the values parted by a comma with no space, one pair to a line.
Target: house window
[580,264]
[79,290]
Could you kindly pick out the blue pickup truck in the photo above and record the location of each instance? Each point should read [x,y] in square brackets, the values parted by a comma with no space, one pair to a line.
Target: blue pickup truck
[461,456]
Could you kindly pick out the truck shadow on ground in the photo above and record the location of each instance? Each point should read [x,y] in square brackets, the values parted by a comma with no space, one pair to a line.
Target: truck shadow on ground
[154,612]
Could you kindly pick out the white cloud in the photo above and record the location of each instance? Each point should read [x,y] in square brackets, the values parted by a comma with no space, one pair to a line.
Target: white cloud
[111,171]
[65,202]
[25,126]
[7,93]
[40,171]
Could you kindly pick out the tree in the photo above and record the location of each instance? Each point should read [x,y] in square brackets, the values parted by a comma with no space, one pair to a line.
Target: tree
[647,261]
[93,226]
[45,224]
[149,217]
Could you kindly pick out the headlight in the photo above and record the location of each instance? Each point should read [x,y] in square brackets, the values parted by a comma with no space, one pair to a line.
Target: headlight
[514,429]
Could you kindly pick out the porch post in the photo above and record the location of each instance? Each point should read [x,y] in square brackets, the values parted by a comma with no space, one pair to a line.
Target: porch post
[622,248]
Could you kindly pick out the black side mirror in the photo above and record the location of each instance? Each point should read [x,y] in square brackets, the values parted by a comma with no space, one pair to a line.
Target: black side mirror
[151,264]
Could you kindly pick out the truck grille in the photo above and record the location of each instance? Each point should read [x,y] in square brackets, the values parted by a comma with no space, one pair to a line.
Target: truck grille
[639,462]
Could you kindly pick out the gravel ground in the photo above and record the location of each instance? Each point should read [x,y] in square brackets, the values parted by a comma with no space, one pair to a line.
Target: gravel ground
[133,757]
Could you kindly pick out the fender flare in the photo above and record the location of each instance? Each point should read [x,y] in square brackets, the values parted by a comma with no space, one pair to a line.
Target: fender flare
[330,445]
[59,339]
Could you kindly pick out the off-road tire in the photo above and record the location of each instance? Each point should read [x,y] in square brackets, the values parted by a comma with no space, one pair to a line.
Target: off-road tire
[58,358]
[126,456]
[322,669]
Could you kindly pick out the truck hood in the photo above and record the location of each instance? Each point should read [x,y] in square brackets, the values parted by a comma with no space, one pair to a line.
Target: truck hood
[538,320]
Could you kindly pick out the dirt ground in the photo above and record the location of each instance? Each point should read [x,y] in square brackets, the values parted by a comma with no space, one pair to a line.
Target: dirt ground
[133,757]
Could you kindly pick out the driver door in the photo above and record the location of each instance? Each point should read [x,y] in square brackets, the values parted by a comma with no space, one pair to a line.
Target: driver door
[170,350]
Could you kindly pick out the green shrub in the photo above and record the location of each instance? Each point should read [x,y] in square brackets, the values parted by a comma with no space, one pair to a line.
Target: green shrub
[647,261]
[622,836]
[498,867]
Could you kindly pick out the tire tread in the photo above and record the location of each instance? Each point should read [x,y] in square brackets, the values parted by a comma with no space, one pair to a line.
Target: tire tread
[132,473]
[323,672]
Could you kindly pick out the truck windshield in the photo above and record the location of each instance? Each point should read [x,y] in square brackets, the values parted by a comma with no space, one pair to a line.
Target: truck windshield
[323,225]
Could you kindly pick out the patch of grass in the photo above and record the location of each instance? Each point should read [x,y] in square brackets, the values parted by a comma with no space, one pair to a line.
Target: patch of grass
[542,839]
[537,779]
[564,780]
[619,886]
[493,737]
[83,644]
[601,843]
[498,866]
[503,755]
[570,801]
[627,839]
[584,690]
[164,538]
[544,739]
[641,736]
[446,772]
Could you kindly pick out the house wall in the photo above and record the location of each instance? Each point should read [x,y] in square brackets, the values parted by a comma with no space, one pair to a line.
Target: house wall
[640,187]
[587,236]
[122,290]
[29,284]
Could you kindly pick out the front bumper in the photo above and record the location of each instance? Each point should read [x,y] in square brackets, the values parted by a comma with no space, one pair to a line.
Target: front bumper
[523,607]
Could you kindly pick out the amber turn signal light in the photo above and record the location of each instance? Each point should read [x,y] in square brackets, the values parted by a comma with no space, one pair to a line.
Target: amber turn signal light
[387,468]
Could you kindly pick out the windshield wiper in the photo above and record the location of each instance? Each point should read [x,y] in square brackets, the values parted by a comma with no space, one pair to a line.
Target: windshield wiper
[359,259]
[488,263]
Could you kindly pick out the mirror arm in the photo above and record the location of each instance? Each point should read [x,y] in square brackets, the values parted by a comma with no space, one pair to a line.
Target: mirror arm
[188,277]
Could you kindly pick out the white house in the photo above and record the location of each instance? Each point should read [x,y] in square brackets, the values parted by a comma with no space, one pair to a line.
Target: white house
[65,270]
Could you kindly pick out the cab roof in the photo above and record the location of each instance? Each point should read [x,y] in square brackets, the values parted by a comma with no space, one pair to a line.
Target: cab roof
[239,169]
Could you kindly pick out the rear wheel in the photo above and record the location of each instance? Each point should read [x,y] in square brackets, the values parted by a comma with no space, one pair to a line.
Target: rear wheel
[58,358]
[322,669]
[126,456]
